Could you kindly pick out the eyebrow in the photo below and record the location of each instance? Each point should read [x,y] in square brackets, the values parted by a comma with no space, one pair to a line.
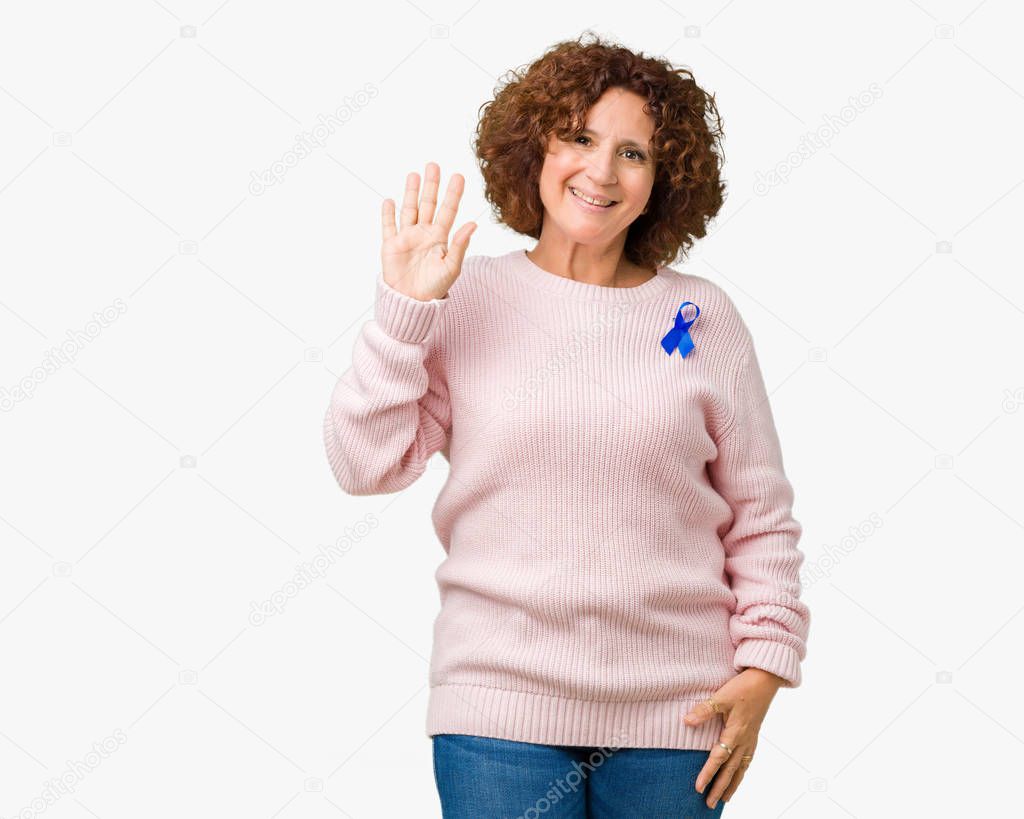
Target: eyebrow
[630,141]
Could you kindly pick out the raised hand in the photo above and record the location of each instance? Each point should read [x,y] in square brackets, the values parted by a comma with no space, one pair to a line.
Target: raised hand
[418,259]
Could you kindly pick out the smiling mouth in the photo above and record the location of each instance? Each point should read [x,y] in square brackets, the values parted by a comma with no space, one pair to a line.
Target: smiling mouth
[600,202]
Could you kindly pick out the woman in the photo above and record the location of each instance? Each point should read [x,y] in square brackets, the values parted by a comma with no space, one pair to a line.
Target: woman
[620,596]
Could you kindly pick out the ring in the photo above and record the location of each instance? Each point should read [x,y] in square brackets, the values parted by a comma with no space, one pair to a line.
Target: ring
[714,706]
[723,745]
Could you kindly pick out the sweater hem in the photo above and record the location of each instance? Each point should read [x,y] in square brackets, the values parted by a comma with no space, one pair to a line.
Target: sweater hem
[460,708]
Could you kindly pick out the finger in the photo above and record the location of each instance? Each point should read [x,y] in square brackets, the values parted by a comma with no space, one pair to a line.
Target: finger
[387,218]
[718,755]
[459,243]
[429,199]
[412,190]
[734,783]
[716,759]
[704,709]
[723,779]
[446,215]
[741,771]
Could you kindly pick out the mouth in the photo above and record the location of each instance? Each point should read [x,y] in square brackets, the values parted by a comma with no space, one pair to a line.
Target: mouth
[600,202]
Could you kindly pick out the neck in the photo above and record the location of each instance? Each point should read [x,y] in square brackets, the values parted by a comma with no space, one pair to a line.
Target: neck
[604,266]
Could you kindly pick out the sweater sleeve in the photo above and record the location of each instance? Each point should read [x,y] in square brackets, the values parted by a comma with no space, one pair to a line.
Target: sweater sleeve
[389,411]
[770,624]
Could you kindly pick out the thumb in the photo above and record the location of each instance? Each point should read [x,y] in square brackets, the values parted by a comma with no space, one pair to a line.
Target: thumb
[459,243]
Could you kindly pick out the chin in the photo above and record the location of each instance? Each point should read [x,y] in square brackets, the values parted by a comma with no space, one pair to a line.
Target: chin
[583,237]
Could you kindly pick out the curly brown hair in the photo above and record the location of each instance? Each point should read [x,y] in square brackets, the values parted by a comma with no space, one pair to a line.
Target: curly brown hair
[553,95]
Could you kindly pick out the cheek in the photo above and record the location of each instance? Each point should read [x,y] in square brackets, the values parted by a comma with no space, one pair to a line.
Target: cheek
[554,181]
[641,193]
[561,165]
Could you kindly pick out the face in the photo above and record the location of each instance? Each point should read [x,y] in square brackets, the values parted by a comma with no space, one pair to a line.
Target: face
[609,160]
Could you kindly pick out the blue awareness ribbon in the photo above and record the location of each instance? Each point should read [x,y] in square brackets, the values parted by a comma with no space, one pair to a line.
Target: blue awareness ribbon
[678,338]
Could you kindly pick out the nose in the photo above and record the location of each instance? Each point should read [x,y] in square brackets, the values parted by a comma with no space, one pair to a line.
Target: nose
[601,167]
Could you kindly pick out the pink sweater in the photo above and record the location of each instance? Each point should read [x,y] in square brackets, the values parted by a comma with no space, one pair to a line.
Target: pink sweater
[616,521]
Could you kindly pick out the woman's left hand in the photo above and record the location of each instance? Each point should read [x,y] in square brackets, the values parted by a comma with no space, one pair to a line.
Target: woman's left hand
[743,703]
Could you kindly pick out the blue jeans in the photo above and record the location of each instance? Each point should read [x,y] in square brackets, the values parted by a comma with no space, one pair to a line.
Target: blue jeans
[501,779]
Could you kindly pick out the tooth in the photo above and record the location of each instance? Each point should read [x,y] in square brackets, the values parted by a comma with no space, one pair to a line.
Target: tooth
[600,203]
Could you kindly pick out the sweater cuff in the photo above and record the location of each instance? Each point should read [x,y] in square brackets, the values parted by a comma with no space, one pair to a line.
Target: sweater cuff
[769,655]
[404,318]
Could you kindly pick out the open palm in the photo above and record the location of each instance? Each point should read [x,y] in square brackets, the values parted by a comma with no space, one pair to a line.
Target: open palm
[417,258]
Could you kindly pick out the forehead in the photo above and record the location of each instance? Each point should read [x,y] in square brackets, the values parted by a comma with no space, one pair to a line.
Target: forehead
[620,113]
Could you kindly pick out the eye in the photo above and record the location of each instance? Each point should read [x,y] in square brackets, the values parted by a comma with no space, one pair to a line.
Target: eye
[639,155]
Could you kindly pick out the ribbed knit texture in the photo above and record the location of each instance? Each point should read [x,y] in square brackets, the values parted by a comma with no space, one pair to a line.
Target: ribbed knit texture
[617,523]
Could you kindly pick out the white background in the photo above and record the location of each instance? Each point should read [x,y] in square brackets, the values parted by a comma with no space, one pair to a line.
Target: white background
[171,471]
